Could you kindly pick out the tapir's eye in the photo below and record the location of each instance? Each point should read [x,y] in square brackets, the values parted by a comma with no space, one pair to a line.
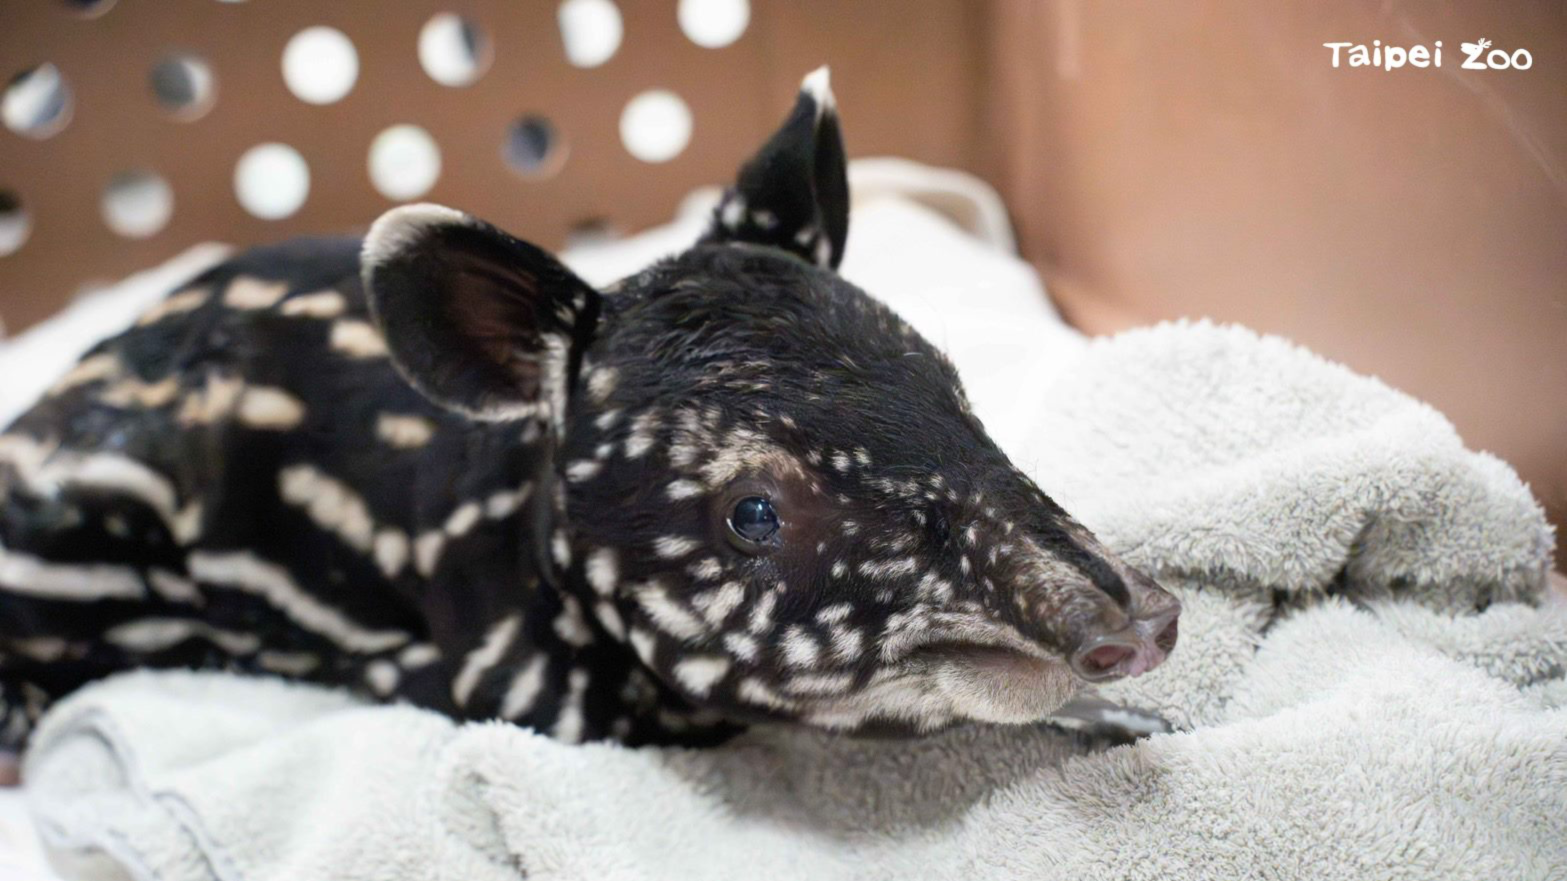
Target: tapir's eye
[754,522]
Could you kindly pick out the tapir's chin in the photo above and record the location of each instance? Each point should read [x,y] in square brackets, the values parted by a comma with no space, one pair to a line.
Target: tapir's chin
[1005,686]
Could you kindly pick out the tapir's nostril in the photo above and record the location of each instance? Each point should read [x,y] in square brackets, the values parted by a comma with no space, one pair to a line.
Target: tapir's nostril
[1107,656]
[1165,639]
[1103,658]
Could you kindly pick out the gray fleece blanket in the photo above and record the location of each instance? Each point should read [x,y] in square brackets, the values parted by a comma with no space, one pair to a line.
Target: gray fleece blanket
[1369,685]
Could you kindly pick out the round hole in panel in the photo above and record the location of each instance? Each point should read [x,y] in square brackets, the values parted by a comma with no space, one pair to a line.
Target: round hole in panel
[88,8]
[714,24]
[183,85]
[591,31]
[655,126]
[37,102]
[320,65]
[15,223]
[271,181]
[533,147]
[404,162]
[137,203]
[453,50]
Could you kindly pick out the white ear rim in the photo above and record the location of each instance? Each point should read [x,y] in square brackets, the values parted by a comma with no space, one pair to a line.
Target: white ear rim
[818,84]
[396,230]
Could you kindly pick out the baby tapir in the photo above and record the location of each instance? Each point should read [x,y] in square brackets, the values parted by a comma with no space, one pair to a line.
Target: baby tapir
[436,466]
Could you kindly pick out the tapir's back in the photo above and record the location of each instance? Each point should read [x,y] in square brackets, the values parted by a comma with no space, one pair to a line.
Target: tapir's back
[248,432]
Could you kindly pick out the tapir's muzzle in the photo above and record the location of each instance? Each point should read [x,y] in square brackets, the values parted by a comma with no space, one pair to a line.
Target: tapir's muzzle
[1141,642]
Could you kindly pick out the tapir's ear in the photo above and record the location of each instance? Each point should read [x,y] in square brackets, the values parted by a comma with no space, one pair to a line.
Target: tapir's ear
[478,321]
[794,194]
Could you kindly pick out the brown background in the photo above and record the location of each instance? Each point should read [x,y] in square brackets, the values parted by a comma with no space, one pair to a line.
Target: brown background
[1160,159]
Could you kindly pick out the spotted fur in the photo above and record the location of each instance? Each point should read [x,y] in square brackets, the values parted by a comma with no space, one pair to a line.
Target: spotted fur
[435,466]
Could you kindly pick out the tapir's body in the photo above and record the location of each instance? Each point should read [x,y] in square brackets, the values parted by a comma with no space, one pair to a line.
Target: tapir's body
[436,466]
[255,487]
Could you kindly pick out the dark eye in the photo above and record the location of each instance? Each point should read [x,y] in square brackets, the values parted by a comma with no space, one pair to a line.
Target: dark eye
[754,520]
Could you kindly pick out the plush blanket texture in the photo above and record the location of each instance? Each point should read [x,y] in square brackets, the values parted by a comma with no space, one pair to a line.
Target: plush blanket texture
[1369,683]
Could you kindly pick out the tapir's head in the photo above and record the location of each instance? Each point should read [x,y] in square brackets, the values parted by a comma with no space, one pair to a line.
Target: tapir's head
[776,492]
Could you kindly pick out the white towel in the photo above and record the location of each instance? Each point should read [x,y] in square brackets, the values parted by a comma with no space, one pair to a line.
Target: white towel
[1345,711]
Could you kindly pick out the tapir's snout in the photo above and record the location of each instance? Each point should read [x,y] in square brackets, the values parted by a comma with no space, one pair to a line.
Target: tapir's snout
[1129,645]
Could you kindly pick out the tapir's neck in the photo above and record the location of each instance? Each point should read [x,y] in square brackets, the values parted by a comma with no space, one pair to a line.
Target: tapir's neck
[506,595]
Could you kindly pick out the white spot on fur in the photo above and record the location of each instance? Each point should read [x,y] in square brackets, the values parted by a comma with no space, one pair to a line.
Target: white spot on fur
[673,547]
[609,617]
[88,370]
[175,304]
[357,339]
[568,725]
[732,212]
[382,676]
[640,439]
[174,587]
[668,614]
[427,551]
[46,469]
[249,292]
[214,401]
[420,654]
[322,304]
[643,643]
[684,489]
[504,503]
[391,551]
[903,566]
[404,431]
[188,522]
[157,634]
[524,690]
[700,674]
[834,613]
[762,613]
[716,605]
[483,658]
[462,520]
[246,572]
[821,683]
[601,384]
[560,549]
[847,643]
[332,504]
[709,569]
[583,470]
[742,646]
[270,409]
[132,392]
[754,691]
[570,626]
[603,570]
[294,664]
[800,648]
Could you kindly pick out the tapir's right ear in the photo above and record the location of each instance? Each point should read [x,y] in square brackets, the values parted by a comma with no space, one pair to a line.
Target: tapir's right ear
[476,320]
[794,193]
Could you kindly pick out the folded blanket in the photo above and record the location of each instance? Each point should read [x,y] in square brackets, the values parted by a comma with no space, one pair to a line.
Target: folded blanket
[1368,685]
